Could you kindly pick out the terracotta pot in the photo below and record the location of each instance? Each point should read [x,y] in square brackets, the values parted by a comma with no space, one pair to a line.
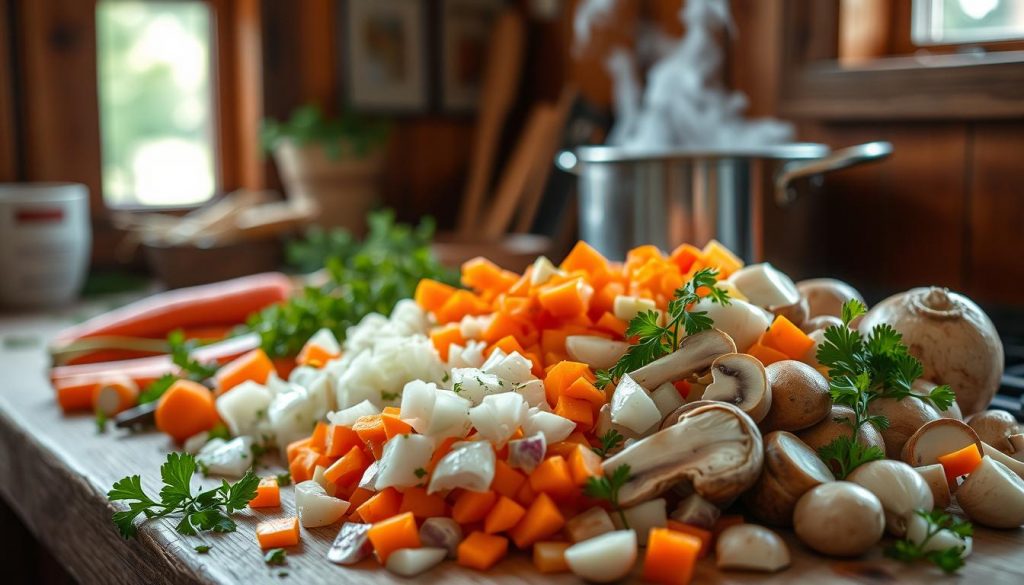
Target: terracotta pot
[344,190]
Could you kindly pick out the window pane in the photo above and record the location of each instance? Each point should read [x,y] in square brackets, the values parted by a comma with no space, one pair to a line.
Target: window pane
[967,21]
[156,102]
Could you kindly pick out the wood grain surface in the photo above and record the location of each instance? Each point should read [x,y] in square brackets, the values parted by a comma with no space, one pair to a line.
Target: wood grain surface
[54,471]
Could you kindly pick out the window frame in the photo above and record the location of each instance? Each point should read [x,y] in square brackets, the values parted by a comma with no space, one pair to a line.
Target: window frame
[816,85]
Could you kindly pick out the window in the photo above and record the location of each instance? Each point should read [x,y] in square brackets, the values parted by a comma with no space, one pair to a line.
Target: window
[939,22]
[156,101]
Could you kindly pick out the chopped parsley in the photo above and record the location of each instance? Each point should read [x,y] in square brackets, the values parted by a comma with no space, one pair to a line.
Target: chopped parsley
[949,559]
[276,556]
[606,487]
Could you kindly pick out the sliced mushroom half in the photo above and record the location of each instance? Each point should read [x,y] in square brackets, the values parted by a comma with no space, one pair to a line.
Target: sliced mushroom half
[937,438]
[740,379]
[750,547]
[715,447]
[696,353]
[791,469]
[992,495]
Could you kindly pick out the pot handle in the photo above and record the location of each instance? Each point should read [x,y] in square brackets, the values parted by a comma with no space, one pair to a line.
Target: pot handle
[785,194]
[566,160]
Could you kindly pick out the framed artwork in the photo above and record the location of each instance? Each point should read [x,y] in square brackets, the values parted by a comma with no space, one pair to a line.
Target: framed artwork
[385,55]
[465,29]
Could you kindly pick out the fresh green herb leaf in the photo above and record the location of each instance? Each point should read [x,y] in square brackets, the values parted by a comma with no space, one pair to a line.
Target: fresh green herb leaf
[389,396]
[363,277]
[276,556]
[156,389]
[420,472]
[203,548]
[852,309]
[207,510]
[457,387]
[101,421]
[655,340]
[284,479]
[350,134]
[219,431]
[949,560]
[609,441]
[844,454]
[607,488]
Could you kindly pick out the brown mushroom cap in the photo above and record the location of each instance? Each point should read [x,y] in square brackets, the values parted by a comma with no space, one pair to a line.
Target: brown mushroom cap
[995,427]
[791,468]
[830,429]
[825,296]
[796,312]
[937,438]
[740,379]
[839,518]
[715,447]
[821,322]
[905,417]
[800,397]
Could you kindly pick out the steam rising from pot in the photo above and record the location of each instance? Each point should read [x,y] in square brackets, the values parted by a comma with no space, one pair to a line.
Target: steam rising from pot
[684,103]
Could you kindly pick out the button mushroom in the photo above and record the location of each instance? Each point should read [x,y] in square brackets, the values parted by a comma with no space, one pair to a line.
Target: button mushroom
[837,424]
[825,296]
[995,428]
[937,438]
[905,418]
[740,379]
[992,495]
[714,446]
[1011,463]
[603,559]
[800,397]
[954,339]
[750,547]
[791,468]
[900,489]
[696,511]
[695,354]
[840,519]
[820,322]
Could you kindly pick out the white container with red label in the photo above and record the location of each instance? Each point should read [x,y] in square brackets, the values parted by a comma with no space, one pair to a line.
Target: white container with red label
[45,243]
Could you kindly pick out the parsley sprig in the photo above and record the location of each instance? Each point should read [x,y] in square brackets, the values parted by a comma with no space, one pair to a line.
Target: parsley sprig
[206,510]
[609,441]
[862,369]
[607,487]
[655,340]
[948,559]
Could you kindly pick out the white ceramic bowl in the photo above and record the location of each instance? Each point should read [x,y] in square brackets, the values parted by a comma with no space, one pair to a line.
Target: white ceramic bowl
[45,243]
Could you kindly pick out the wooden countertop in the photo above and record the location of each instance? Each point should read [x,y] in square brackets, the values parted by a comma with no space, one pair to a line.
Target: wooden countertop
[55,470]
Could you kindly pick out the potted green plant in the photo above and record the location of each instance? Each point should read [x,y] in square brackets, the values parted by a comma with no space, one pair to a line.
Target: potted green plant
[334,164]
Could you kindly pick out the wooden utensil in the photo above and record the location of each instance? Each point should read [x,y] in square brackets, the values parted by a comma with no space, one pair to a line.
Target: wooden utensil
[518,170]
[500,83]
[538,179]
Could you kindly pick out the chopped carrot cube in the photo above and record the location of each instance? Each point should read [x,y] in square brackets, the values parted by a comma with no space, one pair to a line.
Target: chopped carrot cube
[960,462]
[542,519]
[293,448]
[586,258]
[340,439]
[473,506]
[705,536]
[268,494]
[583,389]
[507,480]
[566,300]
[348,468]
[578,410]
[392,534]
[481,551]
[481,274]
[318,440]
[505,514]
[431,295]
[787,338]
[422,504]
[584,463]
[554,478]
[562,375]
[255,366]
[444,337]
[671,557]
[278,533]
[380,506]
[549,557]
[394,426]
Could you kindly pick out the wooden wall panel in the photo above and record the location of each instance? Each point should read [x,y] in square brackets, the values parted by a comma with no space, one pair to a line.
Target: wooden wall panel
[898,223]
[8,140]
[995,271]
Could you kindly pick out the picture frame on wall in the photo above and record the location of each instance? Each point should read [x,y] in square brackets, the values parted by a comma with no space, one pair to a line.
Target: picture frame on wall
[384,55]
[465,29]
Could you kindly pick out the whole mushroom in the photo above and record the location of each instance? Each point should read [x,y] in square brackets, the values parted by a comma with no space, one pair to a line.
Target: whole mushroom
[995,427]
[837,424]
[905,417]
[900,489]
[825,296]
[954,339]
[740,379]
[791,468]
[800,397]
[839,518]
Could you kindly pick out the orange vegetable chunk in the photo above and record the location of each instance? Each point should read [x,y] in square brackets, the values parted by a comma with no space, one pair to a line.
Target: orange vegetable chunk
[255,366]
[431,295]
[705,536]
[473,506]
[766,355]
[268,494]
[549,557]
[584,257]
[348,468]
[340,439]
[480,274]
[380,506]
[481,551]
[566,300]
[960,462]
[422,504]
[577,410]
[505,514]
[394,426]
[186,408]
[318,440]
[584,464]
[554,478]
[787,338]
[671,557]
[542,520]
[444,337]
[507,480]
[583,389]
[278,533]
[393,534]
[562,375]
